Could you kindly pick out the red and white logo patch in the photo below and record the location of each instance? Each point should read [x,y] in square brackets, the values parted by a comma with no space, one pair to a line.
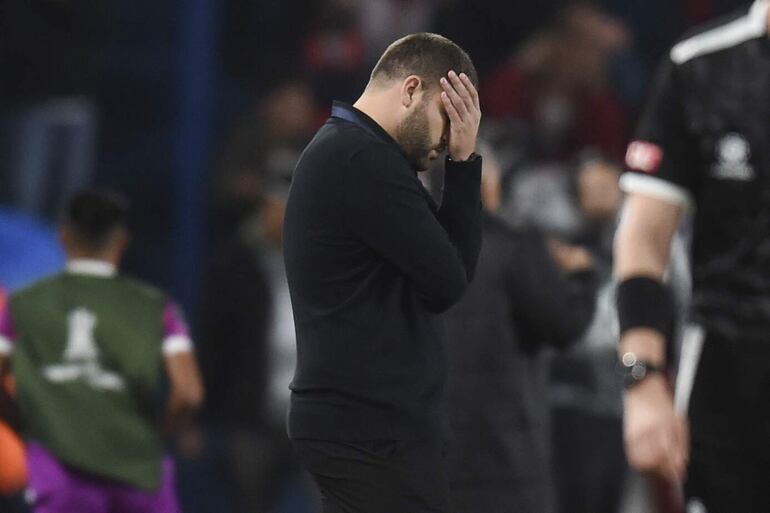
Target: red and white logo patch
[644,156]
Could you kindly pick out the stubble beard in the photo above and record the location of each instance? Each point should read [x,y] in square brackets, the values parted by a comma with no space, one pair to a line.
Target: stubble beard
[413,135]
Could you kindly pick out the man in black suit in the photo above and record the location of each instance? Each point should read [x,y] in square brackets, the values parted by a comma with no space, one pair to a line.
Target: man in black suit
[529,293]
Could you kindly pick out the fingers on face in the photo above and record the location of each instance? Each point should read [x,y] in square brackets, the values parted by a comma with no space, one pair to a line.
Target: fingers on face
[454,95]
[451,111]
[471,90]
[465,93]
[465,90]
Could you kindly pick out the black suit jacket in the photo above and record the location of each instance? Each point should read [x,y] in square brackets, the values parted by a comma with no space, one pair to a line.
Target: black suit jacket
[518,302]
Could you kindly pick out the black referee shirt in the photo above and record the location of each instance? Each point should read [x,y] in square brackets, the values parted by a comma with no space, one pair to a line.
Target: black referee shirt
[704,141]
[371,262]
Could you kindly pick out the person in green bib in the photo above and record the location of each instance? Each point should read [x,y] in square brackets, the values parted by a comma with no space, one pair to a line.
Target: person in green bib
[89,348]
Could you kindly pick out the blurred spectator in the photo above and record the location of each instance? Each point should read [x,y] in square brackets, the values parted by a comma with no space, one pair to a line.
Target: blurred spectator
[346,37]
[654,23]
[51,59]
[384,21]
[576,202]
[248,348]
[266,142]
[488,29]
[558,82]
[523,299]
[579,203]
[587,436]
[335,52]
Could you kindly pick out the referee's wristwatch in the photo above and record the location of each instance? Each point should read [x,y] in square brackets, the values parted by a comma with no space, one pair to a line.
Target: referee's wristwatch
[636,370]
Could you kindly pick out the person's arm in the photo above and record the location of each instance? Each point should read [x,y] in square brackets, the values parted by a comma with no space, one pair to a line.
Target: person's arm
[642,249]
[655,435]
[554,297]
[388,210]
[661,182]
[460,212]
[186,386]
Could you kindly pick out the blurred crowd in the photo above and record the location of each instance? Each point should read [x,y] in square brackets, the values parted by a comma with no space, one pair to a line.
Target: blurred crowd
[561,85]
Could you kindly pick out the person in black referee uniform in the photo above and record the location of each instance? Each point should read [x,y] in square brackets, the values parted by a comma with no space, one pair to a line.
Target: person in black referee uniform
[703,142]
[371,263]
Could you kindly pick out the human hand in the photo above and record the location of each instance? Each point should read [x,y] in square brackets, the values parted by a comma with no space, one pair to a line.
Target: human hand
[656,437]
[461,102]
[570,258]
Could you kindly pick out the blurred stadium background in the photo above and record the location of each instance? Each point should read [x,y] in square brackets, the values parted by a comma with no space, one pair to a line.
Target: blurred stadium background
[198,110]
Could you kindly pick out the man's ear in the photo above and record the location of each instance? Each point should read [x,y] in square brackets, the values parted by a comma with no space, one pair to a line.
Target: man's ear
[411,86]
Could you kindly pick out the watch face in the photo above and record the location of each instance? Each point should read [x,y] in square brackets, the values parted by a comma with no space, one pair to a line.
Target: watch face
[638,371]
[629,359]
[634,370]
[634,374]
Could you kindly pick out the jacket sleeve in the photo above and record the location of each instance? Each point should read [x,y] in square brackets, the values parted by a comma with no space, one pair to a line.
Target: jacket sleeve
[390,211]
[552,308]
[460,212]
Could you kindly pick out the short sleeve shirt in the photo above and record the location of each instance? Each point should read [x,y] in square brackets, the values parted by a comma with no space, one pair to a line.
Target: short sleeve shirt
[703,141]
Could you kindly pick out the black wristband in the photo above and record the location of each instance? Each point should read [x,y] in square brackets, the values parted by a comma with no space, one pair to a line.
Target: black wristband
[645,303]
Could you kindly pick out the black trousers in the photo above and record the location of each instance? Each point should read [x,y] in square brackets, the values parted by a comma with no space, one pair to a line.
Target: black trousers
[729,414]
[383,476]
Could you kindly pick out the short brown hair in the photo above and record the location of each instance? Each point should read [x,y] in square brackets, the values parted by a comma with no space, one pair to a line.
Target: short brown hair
[429,56]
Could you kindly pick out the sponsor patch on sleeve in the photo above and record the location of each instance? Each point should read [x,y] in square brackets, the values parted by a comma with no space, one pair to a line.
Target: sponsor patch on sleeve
[644,156]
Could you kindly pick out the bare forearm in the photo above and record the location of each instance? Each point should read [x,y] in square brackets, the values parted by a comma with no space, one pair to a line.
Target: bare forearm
[186,390]
[642,246]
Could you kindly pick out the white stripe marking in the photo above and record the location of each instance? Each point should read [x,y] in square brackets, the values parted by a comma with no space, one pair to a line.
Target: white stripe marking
[176,344]
[6,346]
[633,183]
[753,25]
[692,345]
